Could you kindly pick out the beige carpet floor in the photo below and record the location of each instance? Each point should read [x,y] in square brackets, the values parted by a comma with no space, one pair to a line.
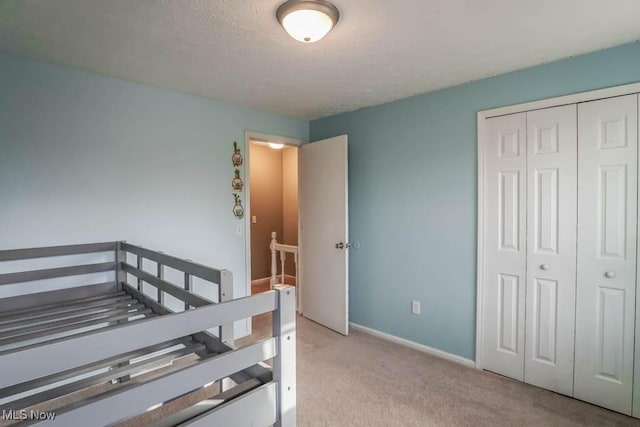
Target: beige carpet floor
[362,380]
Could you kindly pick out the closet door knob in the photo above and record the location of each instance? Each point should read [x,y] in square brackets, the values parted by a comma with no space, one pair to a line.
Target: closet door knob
[610,274]
[544,267]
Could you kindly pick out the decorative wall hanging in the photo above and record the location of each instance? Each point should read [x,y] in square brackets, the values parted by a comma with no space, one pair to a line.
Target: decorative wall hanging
[237,183]
[236,158]
[238,210]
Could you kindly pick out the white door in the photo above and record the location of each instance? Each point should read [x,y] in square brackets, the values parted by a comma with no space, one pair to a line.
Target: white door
[551,248]
[505,245]
[607,208]
[323,211]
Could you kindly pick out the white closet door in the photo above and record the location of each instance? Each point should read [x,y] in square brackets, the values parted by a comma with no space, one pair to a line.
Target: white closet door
[505,245]
[607,208]
[551,248]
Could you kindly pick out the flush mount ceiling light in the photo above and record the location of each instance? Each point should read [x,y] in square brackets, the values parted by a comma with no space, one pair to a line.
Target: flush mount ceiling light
[275,145]
[307,20]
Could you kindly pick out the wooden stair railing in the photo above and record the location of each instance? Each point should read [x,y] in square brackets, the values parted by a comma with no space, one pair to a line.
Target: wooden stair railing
[283,249]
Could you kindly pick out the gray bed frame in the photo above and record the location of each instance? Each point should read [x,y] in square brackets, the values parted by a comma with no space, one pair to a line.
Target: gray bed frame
[64,341]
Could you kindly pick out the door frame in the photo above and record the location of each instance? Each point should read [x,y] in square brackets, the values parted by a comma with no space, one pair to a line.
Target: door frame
[576,98]
[263,137]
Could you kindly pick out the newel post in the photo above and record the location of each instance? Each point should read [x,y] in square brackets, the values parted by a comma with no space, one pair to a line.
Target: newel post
[274,264]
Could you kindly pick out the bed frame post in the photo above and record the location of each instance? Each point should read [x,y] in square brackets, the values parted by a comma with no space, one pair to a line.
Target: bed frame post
[160,275]
[225,293]
[284,364]
[139,265]
[225,332]
[188,284]
[121,277]
[120,257]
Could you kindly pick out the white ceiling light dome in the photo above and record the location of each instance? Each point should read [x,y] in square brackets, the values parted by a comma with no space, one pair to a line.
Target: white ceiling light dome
[307,20]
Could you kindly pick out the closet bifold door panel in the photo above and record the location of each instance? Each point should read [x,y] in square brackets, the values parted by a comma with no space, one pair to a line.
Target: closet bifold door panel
[606,264]
[551,248]
[505,245]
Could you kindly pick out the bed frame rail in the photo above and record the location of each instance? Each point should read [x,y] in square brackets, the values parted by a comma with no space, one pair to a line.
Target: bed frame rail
[82,349]
[62,295]
[189,267]
[51,251]
[271,403]
[266,396]
[223,279]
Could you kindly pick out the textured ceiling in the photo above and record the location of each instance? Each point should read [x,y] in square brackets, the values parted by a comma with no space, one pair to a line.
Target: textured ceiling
[381,50]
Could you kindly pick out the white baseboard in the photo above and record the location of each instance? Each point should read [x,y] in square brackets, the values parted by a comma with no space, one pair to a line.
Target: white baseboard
[414,345]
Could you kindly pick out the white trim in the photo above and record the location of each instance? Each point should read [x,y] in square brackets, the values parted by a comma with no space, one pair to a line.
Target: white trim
[299,285]
[267,137]
[575,98]
[512,109]
[259,136]
[414,345]
[480,247]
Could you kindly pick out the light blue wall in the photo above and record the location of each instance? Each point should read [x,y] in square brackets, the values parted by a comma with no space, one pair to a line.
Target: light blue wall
[413,190]
[84,157]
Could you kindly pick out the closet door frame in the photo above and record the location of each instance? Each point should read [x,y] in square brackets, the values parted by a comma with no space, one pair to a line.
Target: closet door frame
[482,144]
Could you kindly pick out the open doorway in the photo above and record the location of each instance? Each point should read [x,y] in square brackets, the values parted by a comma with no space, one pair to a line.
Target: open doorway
[272,207]
[322,283]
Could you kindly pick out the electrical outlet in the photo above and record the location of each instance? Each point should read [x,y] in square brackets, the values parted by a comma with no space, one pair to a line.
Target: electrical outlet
[415,307]
[254,220]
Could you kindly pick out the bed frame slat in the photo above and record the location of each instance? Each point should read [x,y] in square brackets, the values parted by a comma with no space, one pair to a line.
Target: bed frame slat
[51,324]
[41,382]
[59,298]
[129,369]
[63,306]
[67,328]
[28,253]
[52,273]
[133,399]
[64,338]
[53,357]
[70,311]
